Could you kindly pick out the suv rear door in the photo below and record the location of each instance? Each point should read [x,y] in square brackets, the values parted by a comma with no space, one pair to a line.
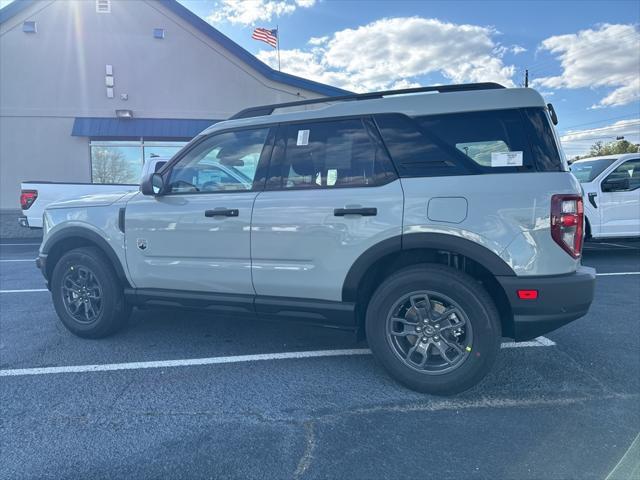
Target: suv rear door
[331,193]
[195,236]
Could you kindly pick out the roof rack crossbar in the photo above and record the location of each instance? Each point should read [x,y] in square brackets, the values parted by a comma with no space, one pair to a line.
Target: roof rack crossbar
[265,110]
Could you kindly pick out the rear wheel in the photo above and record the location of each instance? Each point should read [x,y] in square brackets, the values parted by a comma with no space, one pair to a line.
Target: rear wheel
[434,329]
[87,294]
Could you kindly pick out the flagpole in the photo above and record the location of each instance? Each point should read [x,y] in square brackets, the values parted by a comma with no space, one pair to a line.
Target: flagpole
[278,45]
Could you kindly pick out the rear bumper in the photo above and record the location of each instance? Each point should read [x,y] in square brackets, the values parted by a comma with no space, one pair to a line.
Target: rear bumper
[23,221]
[561,299]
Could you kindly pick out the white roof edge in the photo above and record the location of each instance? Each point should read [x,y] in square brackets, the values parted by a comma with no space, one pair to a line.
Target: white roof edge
[615,156]
[412,105]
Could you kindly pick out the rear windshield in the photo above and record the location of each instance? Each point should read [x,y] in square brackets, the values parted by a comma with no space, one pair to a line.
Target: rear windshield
[497,141]
[587,170]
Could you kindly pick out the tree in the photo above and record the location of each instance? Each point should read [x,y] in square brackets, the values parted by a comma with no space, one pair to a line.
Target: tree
[600,149]
[111,166]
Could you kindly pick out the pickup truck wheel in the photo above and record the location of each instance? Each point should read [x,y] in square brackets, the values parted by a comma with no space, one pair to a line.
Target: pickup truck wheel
[87,294]
[434,329]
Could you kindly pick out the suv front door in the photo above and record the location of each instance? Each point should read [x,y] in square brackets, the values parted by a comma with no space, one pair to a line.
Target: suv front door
[331,193]
[196,235]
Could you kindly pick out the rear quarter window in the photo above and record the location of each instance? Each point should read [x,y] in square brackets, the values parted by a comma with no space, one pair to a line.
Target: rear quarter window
[497,141]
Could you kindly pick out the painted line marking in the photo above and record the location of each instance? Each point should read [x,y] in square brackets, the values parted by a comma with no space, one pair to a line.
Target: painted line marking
[16,244]
[629,462]
[19,260]
[536,342]
[182,363]
[110,367]
[29,290]
[617,245]
[613,274]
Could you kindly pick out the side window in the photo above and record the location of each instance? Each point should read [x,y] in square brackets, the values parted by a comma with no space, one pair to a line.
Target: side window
[222,163]
[329,154]
[624,178]
[458,144]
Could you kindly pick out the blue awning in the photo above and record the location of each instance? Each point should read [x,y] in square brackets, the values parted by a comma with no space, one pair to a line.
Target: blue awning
[130,128]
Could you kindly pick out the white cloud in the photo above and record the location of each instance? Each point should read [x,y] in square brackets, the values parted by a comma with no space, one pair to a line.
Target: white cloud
[248,12]
[603,57]
[578,142]
[517,49]
[391,50]
[318,40]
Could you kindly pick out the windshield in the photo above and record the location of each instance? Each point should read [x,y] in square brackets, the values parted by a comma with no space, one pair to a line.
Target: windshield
[587,171]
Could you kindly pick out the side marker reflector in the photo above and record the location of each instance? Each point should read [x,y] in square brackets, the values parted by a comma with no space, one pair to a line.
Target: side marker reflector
[527,294]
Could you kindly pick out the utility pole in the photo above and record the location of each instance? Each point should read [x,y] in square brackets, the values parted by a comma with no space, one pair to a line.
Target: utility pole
[526,78]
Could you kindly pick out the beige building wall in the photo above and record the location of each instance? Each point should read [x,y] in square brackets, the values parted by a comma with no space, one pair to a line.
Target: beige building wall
[49,78]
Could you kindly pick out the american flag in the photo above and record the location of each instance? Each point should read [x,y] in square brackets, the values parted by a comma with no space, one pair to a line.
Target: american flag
[266,35]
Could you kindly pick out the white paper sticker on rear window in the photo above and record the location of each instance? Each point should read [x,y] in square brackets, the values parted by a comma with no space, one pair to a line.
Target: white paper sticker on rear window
[506,159]
[303,137]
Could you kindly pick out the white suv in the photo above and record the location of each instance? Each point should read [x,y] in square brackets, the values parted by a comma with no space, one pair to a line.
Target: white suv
[435,220]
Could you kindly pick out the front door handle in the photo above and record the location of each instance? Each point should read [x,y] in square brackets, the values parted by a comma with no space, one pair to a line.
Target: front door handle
[363,211]
[222,212]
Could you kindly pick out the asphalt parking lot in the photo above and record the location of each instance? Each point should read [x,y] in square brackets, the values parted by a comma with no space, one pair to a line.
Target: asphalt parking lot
[566,407]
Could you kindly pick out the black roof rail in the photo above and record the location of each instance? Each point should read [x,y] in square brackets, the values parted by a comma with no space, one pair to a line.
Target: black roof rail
[264,110]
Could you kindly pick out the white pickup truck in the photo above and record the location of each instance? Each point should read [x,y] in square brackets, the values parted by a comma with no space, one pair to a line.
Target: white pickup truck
[36,195]
[611,186]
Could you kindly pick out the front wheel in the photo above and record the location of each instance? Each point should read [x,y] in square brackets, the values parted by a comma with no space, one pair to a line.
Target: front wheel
[87,294]
[434,329]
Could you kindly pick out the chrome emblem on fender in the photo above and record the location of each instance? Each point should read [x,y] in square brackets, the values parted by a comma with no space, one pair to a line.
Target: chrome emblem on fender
[142,243]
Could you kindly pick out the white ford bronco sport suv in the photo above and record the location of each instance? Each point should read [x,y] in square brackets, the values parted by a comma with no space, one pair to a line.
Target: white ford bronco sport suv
[435,220]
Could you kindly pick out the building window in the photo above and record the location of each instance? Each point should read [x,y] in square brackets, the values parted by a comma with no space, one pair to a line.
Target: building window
[103,6]
[116,162]
[120,162]
[29,26]
[158,33]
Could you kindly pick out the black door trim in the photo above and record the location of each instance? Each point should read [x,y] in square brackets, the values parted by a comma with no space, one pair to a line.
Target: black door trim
[320,312]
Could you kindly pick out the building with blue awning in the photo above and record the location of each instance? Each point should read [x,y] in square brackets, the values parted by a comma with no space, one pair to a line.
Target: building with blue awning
[85,79]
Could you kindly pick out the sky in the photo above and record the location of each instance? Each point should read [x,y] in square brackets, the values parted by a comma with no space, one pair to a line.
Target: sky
[583,56]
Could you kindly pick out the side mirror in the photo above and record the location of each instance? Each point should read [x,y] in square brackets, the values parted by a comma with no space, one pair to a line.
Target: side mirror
[552,113]
[615,185]
[152,185]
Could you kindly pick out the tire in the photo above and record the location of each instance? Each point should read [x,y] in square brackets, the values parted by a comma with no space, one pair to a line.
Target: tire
[397,322]
[97,308]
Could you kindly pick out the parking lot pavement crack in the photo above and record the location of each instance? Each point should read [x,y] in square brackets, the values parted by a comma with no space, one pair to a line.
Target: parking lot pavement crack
[447,405]
[310,447]
[586,372]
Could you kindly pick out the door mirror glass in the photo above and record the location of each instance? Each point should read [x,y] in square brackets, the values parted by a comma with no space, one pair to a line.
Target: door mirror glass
[152,185]
[157,183]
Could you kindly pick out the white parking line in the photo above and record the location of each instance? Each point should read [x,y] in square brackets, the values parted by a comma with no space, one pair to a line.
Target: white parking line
[16,244]
[613,274]
[181,363]
[536,342]
[19,260]
[617,245]
[109,367]
[28,290]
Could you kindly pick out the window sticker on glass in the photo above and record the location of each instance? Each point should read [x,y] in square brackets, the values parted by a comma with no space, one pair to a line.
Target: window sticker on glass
[506,159]
[303,138]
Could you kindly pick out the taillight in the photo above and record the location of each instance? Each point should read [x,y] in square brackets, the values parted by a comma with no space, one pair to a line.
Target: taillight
[567,221]
[27,197]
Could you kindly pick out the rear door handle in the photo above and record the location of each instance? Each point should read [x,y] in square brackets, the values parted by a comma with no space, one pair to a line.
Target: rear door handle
[222,212]
[363,211]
